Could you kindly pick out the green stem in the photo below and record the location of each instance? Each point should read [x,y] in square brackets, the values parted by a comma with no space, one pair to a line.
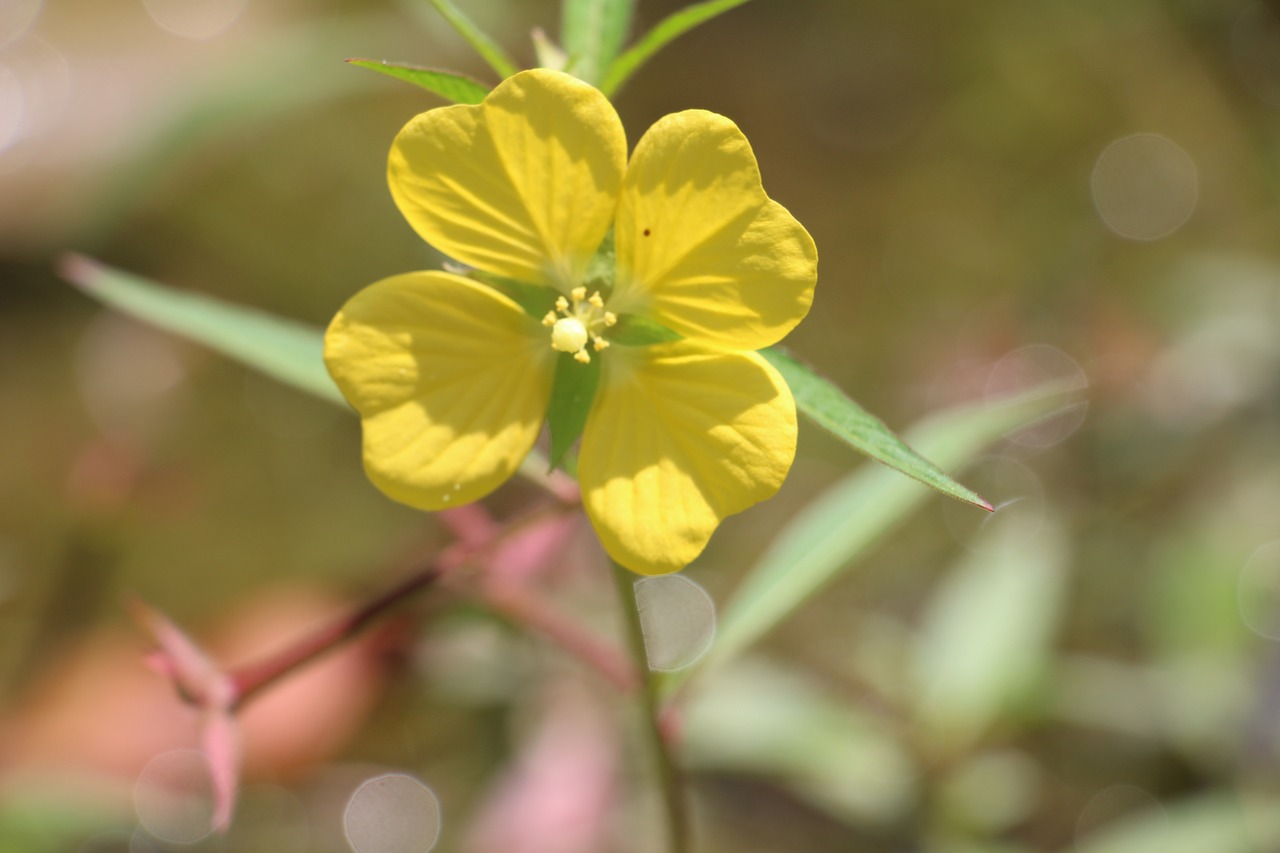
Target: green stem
[669,776]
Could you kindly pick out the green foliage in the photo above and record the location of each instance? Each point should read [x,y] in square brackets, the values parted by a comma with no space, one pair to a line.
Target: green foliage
[664,32]
[839,525]
[571,397]
[488,49]
[286,350]
[592,31]
[830,408]
[632,330]
[447,84]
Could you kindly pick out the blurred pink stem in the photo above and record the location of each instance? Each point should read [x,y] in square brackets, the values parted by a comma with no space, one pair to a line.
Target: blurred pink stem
[520,602]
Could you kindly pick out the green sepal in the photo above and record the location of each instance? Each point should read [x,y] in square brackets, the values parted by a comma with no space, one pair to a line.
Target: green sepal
[572,394]
[451,86]
[535,299]
[632,330]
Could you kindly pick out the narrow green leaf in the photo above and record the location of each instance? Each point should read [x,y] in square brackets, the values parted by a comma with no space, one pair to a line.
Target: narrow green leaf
[844,521]
[664,32]
[571,396]
[454,87]
[592,31]
[969,670]
[483,45]
[830,408]
[286,350]
[632,330]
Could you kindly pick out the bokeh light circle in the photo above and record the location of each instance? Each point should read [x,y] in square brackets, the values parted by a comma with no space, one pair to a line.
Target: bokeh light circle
[1039,365]
[195,19]
[1016,493]
[1258,591]
[678,618]
[174,797]
[16,18]
[392,813]
[1144,186]
[1113,805]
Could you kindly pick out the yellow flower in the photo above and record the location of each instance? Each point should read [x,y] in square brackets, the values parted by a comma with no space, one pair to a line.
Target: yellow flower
[453,377]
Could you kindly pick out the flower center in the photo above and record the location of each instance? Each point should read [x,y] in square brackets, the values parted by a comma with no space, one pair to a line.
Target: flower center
[577,321]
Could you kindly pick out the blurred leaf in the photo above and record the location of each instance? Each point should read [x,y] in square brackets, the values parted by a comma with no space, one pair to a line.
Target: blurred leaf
[757,717]
[286,350]
[592,31]
[987,633]
[845,520]
[830,408]
[1218,822]
[455,87]
[664,32]
[483,45]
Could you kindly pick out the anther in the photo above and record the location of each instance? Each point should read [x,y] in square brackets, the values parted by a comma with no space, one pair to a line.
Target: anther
[596,300]
[562,304]
[550,319]
[582,356]
[578,294]
[598,343]
[610,318]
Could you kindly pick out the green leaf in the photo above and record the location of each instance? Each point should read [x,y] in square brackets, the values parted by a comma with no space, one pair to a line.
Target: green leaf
[286,350]
[987,633]
[454,87]
[632,330]
[1223,822]
[571,397]
[483,45]
[849,517]
[666,31]
[592,31]
[829,407]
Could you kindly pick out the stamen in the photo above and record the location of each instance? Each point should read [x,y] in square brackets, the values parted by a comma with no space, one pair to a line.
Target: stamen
[598,343]
[596,300]
[562,304]
[582,356]
[550,319]
[578,294]
[610,318]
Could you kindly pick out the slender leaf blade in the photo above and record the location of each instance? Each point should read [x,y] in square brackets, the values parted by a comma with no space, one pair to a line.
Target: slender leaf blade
[488,49]
[286,350]
[844,521]
[663,33]
[454,87]
[592,31]
[830,408]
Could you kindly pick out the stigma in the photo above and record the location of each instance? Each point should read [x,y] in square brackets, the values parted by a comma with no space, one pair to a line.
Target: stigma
[577,322]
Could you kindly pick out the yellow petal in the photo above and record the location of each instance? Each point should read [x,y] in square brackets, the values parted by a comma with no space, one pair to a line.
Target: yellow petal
[700,246]
[524,185]
[451,380]
[680,437]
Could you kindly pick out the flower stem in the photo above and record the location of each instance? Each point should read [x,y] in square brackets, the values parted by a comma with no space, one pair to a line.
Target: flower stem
[669,776]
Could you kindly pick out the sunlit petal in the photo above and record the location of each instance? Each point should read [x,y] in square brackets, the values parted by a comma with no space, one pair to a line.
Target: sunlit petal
[701,248]
[524,185]
[451,379]
[679,438]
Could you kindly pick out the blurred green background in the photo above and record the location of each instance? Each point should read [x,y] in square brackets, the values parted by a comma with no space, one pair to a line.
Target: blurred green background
[1001,192]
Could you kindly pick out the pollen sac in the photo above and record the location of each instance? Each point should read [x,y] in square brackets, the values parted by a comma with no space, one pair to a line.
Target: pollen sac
[569,335]
[582,324]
